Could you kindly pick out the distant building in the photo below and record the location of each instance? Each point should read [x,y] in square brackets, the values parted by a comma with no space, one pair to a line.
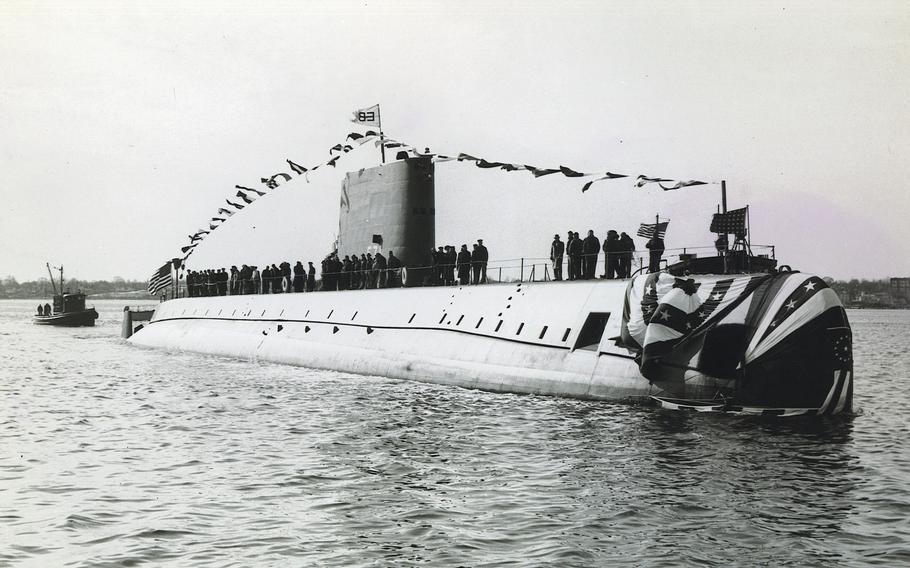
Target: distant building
[875,300]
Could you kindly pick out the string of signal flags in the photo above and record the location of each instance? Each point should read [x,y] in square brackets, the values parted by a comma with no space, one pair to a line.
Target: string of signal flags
[246,196]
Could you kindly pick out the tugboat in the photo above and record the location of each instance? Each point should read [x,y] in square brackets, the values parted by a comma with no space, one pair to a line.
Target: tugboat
[69,308]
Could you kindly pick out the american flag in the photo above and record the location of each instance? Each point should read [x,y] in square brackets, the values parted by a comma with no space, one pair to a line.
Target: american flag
[647,230]
[160,279]
[730,222]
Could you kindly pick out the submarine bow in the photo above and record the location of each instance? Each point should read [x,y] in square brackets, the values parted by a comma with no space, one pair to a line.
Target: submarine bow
[778,341]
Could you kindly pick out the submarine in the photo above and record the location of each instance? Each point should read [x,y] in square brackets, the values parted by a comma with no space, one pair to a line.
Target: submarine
[732,333]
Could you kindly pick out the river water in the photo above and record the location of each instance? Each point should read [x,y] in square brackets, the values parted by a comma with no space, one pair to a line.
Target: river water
[112,455]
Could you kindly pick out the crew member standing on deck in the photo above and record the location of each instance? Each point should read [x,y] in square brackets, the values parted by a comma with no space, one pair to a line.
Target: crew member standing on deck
[484,255]
[311,277]
[256,277]
[570,252]
[299,277]
[266,276]
[355,272]
[611,255]
[557,249]
[347,271]
[464,265]
[234,281]
[656,246]
[246,274]
[627,251]
[380,266]
[440,259]
[451,261]
[590,250]
[394,270]
[578,247]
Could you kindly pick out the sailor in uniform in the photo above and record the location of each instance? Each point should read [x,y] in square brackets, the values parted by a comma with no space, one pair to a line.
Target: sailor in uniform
[464,265]
[482,256]
[557,249]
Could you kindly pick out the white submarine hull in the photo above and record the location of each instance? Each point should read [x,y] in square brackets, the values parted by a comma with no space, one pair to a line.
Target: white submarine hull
[488,337]
[555,338]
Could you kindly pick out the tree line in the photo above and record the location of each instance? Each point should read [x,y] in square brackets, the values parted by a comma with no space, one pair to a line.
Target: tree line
[850,291]
[10,288]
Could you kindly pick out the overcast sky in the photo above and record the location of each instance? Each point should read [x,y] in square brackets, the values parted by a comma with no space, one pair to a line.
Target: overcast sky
[124,127]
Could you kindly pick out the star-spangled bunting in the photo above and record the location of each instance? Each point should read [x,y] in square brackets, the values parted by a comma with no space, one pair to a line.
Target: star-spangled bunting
[795,301]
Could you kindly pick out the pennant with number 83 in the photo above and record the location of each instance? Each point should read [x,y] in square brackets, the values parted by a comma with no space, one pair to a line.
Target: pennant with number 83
[367,116]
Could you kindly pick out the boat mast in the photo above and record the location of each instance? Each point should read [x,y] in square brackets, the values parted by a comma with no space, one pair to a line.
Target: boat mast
[54,284]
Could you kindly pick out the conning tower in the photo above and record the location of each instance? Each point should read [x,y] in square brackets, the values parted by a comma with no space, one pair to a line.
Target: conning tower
[389,207]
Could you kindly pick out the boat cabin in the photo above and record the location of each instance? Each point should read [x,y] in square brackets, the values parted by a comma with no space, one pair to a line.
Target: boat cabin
[65,303]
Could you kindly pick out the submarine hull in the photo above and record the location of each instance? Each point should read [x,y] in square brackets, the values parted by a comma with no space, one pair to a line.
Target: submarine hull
[558,338]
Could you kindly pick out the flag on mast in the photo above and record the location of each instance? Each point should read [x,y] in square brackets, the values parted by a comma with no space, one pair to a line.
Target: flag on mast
[730,222]
[367,116]
[160,279]
[647,230]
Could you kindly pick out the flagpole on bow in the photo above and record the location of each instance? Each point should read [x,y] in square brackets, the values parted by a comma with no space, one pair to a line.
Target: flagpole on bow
[381,138]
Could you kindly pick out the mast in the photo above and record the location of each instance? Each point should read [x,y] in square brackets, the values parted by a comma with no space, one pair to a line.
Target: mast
[54,284]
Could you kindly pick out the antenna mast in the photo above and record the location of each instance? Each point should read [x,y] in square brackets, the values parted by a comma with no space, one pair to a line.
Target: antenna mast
[54,284]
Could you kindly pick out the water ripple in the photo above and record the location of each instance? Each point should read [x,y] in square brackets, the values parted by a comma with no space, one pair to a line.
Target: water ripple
[117,456]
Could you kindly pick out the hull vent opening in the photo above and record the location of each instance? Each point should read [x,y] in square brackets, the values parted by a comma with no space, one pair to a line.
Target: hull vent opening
[592,331]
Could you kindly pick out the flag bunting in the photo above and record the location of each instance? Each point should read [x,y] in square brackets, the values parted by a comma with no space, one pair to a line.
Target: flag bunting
[370,117]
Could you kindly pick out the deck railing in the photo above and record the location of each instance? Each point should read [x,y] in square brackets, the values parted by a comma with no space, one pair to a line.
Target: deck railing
[521,269]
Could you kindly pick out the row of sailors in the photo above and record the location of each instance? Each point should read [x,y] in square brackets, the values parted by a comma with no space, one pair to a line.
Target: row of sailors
[350,273]
[471,266]
[618,249]
[250,280]
[363,272]
[377,271]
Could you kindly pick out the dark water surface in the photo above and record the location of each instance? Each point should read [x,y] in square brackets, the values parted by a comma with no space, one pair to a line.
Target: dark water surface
[116,455]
